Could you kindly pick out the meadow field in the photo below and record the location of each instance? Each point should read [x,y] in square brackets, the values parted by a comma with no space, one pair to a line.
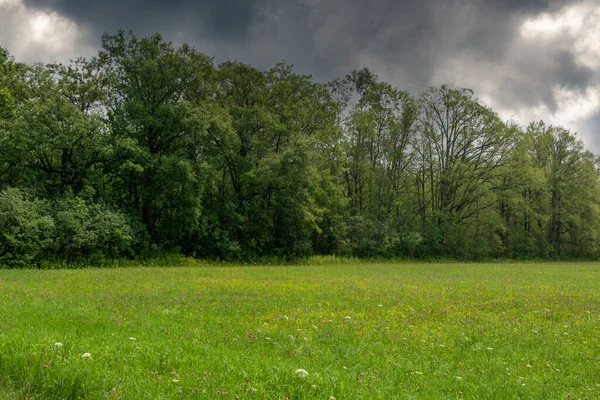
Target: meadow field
[354,331]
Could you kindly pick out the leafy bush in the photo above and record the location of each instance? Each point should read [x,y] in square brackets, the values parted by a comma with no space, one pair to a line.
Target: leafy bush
[26,229]
[91,231]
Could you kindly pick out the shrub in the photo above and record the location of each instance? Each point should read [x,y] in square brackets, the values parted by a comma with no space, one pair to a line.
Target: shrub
[26,229]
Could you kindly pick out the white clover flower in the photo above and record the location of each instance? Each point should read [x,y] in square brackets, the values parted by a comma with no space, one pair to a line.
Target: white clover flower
[86,355]
[301,373]
[58,344]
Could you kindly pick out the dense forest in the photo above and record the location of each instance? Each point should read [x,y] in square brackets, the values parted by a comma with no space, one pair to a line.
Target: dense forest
[150,148]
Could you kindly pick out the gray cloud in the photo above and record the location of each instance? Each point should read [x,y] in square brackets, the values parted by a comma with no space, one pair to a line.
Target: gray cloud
[411,43]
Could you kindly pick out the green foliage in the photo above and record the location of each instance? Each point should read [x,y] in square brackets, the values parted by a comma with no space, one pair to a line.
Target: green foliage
[149,149]
[159,111]
[26,229]
[90,231]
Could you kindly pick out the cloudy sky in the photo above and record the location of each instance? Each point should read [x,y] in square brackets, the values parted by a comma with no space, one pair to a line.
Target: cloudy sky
[528,59]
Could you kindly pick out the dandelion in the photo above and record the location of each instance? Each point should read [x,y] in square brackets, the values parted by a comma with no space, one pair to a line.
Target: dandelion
[301,373]
[57,344]
[86,355]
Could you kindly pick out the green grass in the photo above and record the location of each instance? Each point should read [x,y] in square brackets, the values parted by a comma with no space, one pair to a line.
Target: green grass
[406,331]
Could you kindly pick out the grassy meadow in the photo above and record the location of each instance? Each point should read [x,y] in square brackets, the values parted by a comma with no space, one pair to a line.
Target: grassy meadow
[370,331]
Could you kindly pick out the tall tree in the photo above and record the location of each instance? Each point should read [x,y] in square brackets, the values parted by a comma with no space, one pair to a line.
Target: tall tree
[460,147]
[161,99]
[266,196]
[61,129]
[572,189]
[378,123]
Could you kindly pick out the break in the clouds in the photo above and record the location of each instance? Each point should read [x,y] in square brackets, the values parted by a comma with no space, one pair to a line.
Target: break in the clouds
[528,59]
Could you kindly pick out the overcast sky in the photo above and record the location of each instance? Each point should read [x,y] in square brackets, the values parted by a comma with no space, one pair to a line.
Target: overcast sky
[527,59]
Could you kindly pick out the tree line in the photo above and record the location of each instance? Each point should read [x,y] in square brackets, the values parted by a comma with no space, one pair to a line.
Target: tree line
[149,148]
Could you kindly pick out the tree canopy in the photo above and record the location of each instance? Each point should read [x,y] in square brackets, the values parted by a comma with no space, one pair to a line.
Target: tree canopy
[150,147]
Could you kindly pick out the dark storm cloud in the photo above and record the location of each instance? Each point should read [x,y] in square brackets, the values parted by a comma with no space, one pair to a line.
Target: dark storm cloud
[409,43]
[222,19]
[406,31]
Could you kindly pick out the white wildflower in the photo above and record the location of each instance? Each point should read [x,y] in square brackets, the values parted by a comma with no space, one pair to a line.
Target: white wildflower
[301,373]
[86,355]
